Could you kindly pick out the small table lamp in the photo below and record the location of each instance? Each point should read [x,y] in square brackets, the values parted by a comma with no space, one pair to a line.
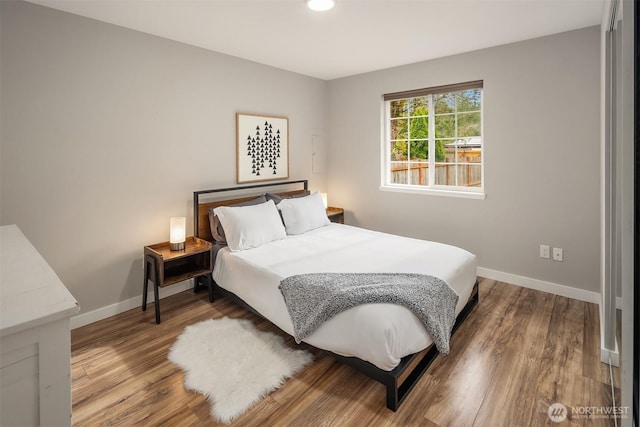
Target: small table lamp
[177,233]
[324,199]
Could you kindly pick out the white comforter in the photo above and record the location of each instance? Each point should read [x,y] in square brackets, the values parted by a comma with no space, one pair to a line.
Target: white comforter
[379,333]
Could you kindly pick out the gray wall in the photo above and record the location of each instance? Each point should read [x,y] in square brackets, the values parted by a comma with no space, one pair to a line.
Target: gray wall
[542,151]
[106,133]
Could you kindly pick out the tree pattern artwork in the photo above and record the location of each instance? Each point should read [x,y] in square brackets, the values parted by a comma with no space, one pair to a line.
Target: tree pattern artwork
[263,147]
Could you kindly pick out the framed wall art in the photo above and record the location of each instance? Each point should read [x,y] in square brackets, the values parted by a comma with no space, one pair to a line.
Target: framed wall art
[262,147]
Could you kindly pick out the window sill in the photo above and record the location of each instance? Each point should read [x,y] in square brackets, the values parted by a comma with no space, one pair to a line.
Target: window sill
[433,192]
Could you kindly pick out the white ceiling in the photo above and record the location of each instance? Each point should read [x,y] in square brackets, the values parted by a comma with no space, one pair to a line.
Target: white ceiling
[356,36]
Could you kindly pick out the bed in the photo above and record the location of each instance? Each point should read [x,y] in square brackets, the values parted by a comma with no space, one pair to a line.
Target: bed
[385,341]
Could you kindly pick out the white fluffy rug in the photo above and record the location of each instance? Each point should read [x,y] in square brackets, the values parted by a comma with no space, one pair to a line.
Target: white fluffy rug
[234,364]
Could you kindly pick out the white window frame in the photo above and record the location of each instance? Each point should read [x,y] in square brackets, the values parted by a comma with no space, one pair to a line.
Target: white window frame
[431,188]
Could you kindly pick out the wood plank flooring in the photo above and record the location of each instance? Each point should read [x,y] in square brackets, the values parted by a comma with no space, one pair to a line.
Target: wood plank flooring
[519,351]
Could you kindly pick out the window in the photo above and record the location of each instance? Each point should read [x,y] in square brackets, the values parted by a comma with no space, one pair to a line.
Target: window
[433,140]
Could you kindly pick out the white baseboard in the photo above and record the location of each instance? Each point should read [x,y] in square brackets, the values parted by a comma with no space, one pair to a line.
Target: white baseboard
[541,285]
[83,319]
[611,357]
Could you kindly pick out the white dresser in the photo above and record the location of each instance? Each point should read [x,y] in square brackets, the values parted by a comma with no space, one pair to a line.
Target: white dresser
[35,340]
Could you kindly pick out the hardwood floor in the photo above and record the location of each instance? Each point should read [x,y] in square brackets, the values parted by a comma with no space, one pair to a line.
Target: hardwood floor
[519,351]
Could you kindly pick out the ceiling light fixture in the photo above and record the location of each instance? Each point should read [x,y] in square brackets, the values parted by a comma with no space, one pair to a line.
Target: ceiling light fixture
[320,5]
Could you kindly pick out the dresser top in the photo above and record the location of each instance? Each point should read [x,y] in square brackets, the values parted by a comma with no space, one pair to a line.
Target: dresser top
[31,294]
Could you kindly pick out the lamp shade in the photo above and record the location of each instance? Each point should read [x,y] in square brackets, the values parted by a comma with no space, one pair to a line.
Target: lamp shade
[177,232]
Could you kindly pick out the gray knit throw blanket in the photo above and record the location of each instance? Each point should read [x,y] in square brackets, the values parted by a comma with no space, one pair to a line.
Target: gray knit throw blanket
[315,298]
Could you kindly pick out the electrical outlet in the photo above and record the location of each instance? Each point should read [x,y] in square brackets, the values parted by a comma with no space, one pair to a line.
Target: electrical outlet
[544,251]
[558,254]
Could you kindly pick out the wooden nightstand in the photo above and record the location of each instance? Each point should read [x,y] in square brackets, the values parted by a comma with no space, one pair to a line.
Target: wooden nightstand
[165,267]
[335,214]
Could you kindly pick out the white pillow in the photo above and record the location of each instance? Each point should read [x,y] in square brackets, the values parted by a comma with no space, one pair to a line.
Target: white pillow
[250,226]
[303,213]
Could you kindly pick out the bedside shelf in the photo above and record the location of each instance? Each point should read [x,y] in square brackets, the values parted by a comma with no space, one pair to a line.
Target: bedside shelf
[335,214]
[165,267]
[180,273]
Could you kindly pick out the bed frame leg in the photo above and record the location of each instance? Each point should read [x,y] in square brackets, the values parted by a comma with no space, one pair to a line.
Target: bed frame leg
[392,396]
